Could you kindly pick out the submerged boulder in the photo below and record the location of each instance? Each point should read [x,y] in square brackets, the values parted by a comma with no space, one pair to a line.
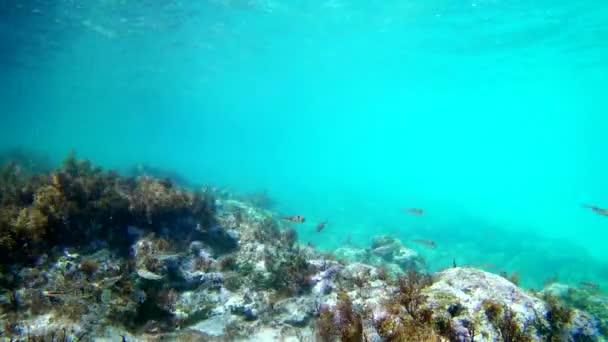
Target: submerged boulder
[479,303]
[385,251]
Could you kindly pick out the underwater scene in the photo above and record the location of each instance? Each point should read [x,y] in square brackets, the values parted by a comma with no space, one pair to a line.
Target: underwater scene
[322,170]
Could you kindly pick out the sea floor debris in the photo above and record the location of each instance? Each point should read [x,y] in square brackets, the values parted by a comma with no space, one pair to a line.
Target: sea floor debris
[139,259]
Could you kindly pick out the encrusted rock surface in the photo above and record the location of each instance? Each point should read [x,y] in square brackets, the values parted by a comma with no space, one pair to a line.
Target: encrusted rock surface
[588,299]
[469,288]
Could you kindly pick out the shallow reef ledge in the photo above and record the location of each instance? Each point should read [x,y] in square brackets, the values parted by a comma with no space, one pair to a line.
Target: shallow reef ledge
[90,255]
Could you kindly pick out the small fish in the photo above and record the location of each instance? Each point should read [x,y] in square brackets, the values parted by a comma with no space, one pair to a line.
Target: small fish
[70,255]
[143,273]
[414,211]
[429,243]
[597,210]
[294,219]
[383,250]
[51,293]
[590,285]
[321,225]
[164,257]
[107,282]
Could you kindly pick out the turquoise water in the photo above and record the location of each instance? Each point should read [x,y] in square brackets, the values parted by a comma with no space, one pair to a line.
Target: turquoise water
[489,115]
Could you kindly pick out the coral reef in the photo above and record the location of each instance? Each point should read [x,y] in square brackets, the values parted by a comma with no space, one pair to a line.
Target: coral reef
[93,255]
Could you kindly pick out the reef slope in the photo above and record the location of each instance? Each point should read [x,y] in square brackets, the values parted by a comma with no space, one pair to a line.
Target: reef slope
[97,256]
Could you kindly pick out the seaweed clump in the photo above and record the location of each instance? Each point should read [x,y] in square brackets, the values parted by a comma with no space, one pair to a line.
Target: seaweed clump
[588,300]
[408,317]
[513,277]
[504,320]
[342,322]
[289,275]
[99,214]
[557,317]
[79,202]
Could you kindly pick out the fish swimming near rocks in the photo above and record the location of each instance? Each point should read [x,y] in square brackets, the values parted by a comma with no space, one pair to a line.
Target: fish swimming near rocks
[383,250]
[167,257]
[414,211]
[321,225]
[107,282]
[294,219]
[597,210]
[52,293]
[590,285]
[428,243]
[143,273]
